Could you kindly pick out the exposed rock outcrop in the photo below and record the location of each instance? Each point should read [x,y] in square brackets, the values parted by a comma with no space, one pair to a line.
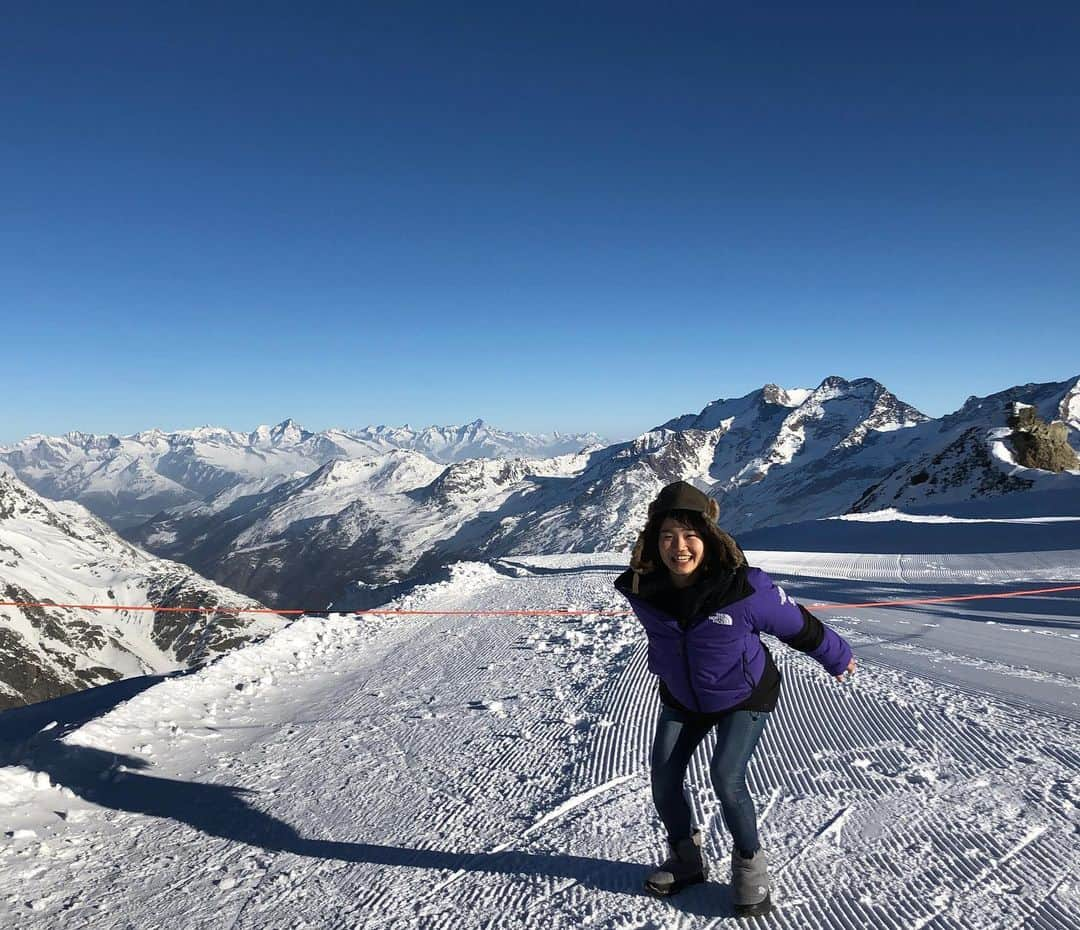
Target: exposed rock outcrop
[1039,444]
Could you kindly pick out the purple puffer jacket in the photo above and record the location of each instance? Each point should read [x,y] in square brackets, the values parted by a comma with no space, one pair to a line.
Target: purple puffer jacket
[715,663]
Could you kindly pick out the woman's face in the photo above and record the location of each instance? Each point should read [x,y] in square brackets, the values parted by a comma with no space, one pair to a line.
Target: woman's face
[681,549]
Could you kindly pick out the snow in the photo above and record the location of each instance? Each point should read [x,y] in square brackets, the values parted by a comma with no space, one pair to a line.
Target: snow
[58,552]
[892,514]
[1069,410]
[492,771]
[187,465]
[1030,522]
[796,397]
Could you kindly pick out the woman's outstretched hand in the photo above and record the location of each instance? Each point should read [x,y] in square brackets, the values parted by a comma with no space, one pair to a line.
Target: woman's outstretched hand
[850,670]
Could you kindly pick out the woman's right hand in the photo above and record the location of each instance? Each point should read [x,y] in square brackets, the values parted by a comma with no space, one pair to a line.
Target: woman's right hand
[850,670]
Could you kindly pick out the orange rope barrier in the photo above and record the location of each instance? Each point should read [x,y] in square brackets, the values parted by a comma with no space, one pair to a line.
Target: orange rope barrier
[945,600]
[515,613]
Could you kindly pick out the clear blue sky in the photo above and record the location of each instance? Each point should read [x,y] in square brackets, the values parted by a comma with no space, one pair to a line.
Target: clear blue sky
[549,215]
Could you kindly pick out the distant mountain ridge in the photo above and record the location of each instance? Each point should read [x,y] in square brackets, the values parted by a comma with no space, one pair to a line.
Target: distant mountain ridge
[128,479]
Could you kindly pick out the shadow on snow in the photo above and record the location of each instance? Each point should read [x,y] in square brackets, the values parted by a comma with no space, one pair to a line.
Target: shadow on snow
[119,782]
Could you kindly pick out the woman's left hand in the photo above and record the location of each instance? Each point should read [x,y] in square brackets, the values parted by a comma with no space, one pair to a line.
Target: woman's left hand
[850,670]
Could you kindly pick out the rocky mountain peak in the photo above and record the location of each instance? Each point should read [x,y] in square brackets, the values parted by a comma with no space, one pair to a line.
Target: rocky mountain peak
[834,383]
[288,432]
[776,396]
[773,394]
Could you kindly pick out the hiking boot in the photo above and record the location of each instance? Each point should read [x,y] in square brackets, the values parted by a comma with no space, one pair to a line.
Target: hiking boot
[683,867]
[750,884]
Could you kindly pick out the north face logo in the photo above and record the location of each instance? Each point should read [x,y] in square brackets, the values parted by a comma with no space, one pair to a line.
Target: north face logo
[722,619]
[784,599]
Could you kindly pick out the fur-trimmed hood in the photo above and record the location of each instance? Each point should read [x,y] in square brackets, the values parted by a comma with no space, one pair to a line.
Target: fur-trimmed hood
[683,496]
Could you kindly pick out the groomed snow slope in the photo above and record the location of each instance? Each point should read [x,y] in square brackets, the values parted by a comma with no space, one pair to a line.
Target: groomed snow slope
[475,771]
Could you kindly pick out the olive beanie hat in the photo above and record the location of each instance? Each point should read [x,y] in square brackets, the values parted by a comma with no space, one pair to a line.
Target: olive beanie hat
[682,496]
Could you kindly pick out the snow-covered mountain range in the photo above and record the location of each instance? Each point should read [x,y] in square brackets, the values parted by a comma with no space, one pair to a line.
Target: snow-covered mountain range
[258,517]
[127,479]
[57,552]
[372,520]
[772,457]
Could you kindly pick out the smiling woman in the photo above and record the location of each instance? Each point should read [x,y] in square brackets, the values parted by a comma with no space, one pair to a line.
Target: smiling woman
[704,608]
[682,550]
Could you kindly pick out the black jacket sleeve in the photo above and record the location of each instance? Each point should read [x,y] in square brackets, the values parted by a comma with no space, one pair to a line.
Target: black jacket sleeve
[810,636]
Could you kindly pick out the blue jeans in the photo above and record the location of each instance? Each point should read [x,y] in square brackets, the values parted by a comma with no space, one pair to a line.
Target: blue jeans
[676,739]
